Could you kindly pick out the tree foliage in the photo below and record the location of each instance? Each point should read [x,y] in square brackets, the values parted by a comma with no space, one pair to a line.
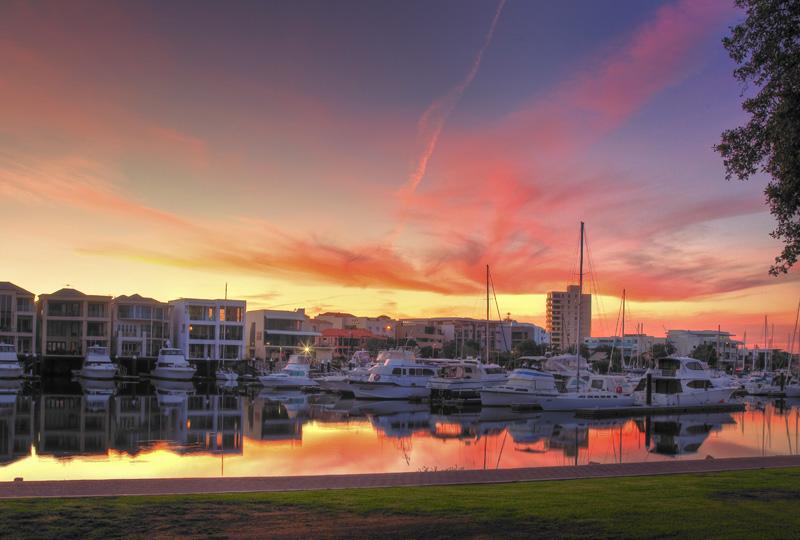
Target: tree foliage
[766,47]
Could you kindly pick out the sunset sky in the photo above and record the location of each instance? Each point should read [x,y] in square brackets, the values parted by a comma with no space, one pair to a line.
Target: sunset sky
[373,157]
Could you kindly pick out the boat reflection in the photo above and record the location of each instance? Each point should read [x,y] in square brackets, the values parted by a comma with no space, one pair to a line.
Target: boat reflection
[684,434]
[92,429]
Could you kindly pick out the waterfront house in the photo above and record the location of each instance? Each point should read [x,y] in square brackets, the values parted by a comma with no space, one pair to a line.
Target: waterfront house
[275,334]
[141,326]
[70,321]
[17,317]
[208,329]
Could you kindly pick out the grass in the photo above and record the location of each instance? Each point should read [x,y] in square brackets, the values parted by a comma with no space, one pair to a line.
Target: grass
[745,504]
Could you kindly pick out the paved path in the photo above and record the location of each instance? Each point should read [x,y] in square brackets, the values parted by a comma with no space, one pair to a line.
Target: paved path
[171,486]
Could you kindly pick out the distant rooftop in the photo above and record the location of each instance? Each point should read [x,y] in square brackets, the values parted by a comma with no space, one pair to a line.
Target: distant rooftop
[137,298]
[8,286]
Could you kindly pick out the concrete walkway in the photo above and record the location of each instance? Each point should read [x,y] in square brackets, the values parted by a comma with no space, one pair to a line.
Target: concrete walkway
[174,486]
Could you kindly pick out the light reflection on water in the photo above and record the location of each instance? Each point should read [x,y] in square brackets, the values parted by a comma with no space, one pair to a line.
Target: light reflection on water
[67,430]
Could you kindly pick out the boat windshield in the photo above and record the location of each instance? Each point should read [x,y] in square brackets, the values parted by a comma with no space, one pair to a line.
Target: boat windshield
[7,348]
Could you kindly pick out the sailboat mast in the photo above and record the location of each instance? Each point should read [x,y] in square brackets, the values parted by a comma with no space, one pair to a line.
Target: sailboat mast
[487,313]
[580,310]
[622,347]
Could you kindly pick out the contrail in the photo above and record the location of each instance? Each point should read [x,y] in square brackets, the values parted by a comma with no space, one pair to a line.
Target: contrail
[433,119]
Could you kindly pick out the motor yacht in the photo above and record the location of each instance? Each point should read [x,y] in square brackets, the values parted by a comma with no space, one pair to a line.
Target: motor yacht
[172,393]
[681,381]
[464,380]
[400,376]
[172,365]
[590,391]
[226,375]
[765,384]
[10,368]
[523,388]
[296,374]
[97,364]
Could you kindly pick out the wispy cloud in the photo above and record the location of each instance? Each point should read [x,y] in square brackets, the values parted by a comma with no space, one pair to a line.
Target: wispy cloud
[433,120]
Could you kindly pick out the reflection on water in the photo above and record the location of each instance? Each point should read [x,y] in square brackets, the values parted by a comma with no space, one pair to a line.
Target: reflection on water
[66,429]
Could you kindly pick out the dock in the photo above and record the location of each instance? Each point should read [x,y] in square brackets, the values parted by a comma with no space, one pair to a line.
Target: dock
[652,410]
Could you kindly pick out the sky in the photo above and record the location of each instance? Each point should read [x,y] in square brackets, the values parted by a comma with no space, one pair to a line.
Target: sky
[374,157]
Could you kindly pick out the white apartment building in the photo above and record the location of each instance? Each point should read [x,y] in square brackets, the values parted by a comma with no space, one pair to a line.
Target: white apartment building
[140,326]
[275,334]
[631,345]
[209,329]
[17,317]
[70,321]
[685,342]
[562,317]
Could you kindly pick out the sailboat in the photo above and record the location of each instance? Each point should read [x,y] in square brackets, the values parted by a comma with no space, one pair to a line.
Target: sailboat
[530,387]
[463,380]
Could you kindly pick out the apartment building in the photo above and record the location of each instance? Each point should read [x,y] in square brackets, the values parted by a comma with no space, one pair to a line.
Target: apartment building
[382,326]
[70,321]
[273,333]
[17,317]
[685,341]
[140,326]
[563,310]
[207,329]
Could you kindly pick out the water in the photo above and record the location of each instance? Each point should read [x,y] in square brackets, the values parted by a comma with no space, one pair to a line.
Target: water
[66,430]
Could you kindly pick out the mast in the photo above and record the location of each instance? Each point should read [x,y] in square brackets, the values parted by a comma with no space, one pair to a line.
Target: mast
[487,313]
[580,309]
[622,346]
[766,336]
[719,329]
[793,340]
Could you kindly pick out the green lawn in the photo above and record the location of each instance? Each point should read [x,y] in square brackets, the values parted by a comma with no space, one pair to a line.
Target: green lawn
[749,504]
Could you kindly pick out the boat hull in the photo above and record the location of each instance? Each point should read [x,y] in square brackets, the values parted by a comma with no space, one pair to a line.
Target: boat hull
[586,401]
[712,396]
[11,371]
[274,381]
[376,390]
[492,397]
[99,373]
[173,373]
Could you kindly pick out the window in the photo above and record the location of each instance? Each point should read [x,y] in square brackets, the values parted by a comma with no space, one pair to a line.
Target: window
[201,313]
[25,305]
[597,384]
[96,309]
[694,365]
[232,333]
[233,314]
[5,312]
[201,331]
[667,386]
[125,311]
[63,309]
[96,329]
[397,371]
[699,384]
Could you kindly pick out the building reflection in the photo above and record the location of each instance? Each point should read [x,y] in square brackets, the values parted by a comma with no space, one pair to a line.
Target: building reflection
[16,422]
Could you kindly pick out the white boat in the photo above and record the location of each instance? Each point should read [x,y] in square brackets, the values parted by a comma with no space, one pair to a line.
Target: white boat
[172,393]
[764,384]
[339,383]
[10,368]
[97,364]
[226,375]
[400,376]
[465,380]
[9,389]
[681,381]
[172,365]
[524,388]
[296,374]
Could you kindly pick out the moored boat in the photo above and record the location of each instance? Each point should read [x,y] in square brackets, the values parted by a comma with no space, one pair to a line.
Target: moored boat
[97,364]
[172,365]
[10,368]
[295,375]
[681,381]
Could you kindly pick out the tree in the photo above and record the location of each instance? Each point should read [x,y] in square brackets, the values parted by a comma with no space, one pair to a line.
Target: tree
[766,47]
[529,348]
[706,353]
[662,350]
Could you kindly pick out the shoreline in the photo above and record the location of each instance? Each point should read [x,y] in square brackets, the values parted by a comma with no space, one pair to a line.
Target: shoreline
[189,486]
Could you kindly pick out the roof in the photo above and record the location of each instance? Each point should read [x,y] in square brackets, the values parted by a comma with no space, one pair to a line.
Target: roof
[348,333]
[67,292]
[137,298]
[8,286]
[291,332]
[336,314]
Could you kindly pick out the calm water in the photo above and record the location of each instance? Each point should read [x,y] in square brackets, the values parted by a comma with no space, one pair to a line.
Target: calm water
[64,430]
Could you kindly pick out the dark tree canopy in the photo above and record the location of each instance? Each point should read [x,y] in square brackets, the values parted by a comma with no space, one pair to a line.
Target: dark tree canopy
[766,47]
